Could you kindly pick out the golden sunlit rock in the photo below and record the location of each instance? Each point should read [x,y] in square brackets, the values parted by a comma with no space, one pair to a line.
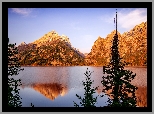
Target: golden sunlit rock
[132,47]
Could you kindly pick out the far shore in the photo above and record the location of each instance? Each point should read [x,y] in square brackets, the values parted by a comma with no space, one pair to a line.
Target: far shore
[78,65]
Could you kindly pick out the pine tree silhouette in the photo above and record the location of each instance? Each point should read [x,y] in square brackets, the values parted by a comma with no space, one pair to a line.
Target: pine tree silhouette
[14,100]
[13,69]
[118,80]
[88,100]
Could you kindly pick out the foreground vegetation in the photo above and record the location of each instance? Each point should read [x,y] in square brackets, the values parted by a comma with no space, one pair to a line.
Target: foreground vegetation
[14,99]
[88,100]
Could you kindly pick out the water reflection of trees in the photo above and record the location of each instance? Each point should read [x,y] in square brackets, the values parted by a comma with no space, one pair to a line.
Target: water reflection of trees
[141,94]
[51,91]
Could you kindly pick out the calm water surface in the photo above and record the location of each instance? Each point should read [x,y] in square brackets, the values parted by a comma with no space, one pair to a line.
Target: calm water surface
[58,86]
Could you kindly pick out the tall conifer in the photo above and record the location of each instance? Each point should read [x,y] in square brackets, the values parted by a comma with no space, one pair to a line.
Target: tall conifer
[118,80]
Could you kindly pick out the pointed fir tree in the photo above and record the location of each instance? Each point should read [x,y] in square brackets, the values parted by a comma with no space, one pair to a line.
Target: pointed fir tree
[118,80]
[88,100]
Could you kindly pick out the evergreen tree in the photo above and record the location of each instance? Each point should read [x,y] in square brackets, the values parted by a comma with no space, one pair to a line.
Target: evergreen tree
[13,69]
[118,80]
[88,100]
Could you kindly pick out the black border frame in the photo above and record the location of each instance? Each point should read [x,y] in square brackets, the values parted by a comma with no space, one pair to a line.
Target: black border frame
[6,5]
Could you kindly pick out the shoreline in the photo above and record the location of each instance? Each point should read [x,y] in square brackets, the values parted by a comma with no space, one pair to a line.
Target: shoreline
[76,66]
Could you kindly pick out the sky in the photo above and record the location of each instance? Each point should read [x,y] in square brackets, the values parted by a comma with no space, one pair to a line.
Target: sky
[81,25]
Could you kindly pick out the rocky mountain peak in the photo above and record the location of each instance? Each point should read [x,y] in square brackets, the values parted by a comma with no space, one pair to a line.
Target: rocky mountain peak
[23,43]
[51,36]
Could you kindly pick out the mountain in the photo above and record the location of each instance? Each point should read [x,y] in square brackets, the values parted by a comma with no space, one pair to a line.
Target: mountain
[51,49]
[54,50]
[132,47]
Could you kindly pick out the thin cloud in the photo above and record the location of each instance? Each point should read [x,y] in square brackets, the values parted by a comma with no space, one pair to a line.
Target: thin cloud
[132,18]
[127,19]
[22,11]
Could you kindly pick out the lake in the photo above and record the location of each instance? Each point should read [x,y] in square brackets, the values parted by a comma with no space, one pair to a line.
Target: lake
[58,86]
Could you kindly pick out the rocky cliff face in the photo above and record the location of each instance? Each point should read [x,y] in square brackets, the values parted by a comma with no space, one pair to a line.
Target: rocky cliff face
[132,47]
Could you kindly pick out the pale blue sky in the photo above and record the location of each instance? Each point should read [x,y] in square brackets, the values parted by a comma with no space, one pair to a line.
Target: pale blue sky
[82,25]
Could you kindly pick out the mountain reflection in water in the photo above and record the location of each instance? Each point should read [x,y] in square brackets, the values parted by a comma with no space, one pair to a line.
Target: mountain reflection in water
[51,91]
